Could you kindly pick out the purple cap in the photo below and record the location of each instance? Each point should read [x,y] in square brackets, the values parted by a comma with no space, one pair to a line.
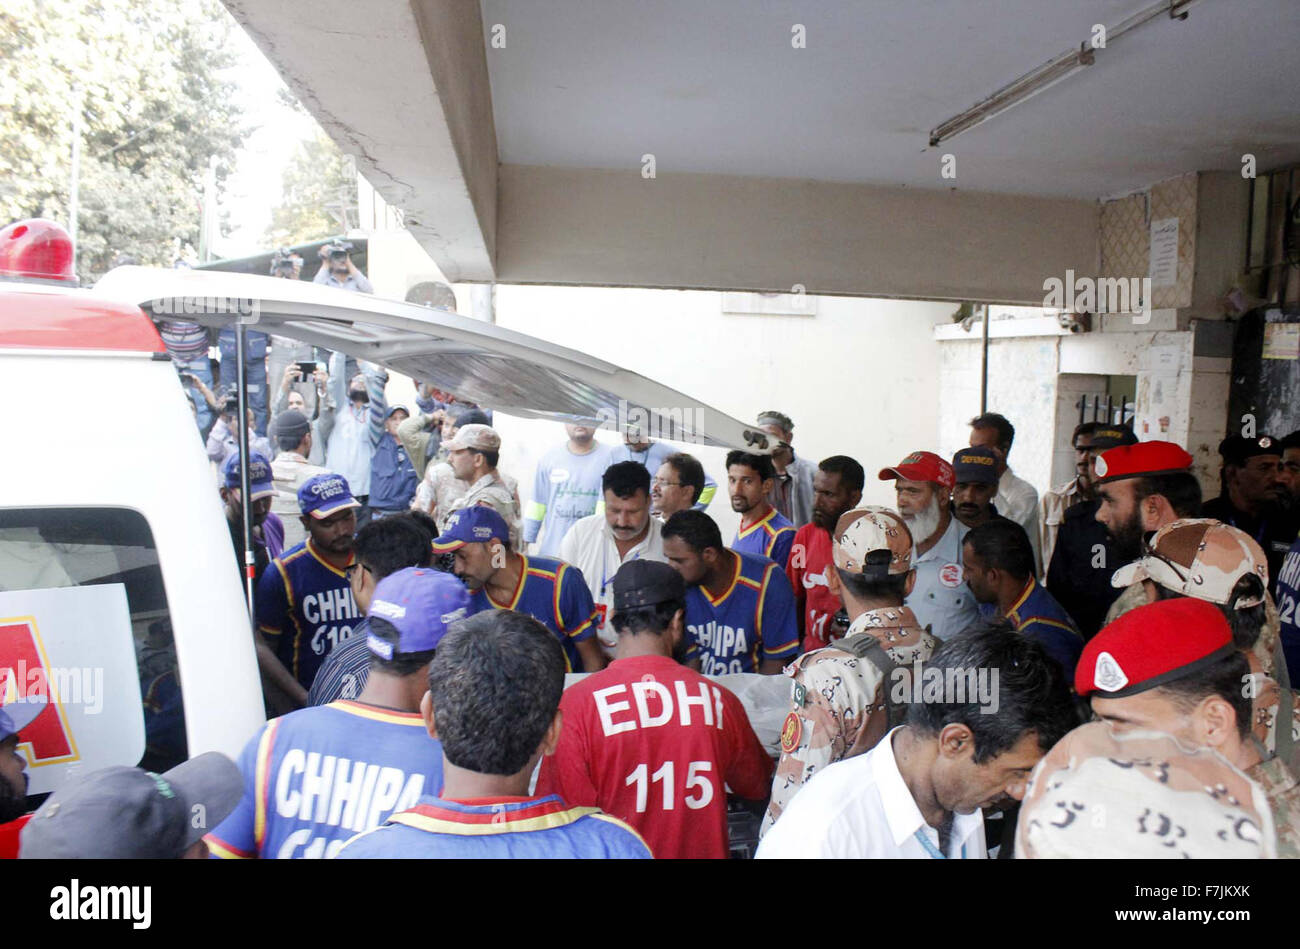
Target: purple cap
[477,524]
[325,494]
[15,716]
[420,604]
[259,474]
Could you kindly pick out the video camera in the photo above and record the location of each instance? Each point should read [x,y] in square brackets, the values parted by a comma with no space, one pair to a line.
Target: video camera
[338,250]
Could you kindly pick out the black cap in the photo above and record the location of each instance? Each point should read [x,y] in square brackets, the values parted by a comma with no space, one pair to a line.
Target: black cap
[975,465]
[120,813]
[645,583]
[1237,450]
[1105,437]
[293,423]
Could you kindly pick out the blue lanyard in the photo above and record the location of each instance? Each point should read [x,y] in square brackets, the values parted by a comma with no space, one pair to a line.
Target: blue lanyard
[934,852]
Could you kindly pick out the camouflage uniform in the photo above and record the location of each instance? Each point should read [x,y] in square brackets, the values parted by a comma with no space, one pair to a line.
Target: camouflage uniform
[497,492]
[1140,795]
[839,705]
[1205,559]
[1283,793]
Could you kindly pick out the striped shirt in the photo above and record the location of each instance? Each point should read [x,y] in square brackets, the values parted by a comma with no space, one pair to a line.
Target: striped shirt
[344,673]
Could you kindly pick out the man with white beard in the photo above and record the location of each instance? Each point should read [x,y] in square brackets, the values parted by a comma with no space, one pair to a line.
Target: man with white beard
[942,602]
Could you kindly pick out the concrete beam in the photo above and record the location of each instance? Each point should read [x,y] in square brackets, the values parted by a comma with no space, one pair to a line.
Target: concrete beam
[424,137]
[616,228]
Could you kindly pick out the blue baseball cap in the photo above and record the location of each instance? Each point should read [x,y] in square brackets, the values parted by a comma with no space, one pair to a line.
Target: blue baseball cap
[975,465]
[15,716]
[420,603]
[259,474]
[325,494]
[477,524]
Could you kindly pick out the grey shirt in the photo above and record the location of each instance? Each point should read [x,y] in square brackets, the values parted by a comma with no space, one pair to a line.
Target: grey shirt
[940,599]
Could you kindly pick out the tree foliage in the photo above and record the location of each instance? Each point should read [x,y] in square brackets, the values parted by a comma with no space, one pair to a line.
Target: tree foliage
[157,103]
[318,176]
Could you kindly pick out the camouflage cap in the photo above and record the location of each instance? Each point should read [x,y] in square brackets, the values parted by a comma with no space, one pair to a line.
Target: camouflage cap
[1199,557]
[1141,795]
[866,530]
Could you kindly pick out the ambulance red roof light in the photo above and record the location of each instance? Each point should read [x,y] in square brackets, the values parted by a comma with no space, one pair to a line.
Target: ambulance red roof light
[36,249]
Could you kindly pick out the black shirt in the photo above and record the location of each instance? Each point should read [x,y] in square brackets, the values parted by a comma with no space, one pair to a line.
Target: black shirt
[1082,564]
[1273,529]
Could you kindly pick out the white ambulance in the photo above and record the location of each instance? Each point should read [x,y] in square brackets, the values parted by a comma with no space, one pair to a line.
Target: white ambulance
[120,597]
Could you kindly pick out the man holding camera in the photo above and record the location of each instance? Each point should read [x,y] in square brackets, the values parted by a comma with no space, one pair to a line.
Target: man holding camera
[338,270]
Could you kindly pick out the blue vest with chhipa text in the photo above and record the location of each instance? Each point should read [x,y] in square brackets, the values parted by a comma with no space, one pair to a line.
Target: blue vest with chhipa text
[754,619]
[537,828]
[304,609]
[554,593]
[316,777]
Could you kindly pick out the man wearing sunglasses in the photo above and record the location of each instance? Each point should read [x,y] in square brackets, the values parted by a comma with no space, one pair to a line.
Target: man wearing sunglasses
[1073,538]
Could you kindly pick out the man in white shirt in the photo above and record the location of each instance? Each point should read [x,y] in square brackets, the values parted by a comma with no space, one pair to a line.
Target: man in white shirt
[988,705]
[602,542]
[1017,499]
[940,598]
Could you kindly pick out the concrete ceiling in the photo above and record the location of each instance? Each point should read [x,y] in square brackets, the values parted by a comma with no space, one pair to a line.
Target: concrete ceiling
[717,88]
[776,165]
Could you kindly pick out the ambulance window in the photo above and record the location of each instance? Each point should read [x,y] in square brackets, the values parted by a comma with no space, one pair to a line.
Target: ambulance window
[84,625]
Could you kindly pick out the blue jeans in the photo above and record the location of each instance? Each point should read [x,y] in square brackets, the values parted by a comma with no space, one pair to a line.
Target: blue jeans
[255,363]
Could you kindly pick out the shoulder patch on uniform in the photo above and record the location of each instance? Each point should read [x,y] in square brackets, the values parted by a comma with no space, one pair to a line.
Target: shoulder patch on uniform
[791,732]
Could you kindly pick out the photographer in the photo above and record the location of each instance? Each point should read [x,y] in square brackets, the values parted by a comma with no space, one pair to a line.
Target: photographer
[286,352]
[338,270]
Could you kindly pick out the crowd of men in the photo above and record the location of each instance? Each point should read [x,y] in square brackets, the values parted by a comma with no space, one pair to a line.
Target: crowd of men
[941,658]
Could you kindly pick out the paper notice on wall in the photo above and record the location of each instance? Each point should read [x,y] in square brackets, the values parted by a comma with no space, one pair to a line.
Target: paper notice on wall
[1281,341]
[1164,252]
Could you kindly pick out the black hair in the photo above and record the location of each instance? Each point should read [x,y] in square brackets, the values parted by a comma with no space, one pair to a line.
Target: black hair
[695,528]
[472,417]
[760,463]
[1002,544]
[690,471]
[390,544]
[654,618]
[490,455]
[1083,428]
[851,474]
[424,521]
[1180,489]
[625,478]
[864,587]
[1031,692]
[289,442]
[402,664]
[495,683]
[1225,678]
[1006,431]
[1247,623]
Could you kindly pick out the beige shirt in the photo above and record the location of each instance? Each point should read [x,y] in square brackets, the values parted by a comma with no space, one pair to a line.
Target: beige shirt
[289,472]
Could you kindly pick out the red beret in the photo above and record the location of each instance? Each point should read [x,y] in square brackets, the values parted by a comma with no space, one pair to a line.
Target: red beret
[922,466]
[1140,460]
[1152,645]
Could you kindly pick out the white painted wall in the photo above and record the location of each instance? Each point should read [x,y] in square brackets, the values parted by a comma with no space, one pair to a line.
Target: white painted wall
[858,378]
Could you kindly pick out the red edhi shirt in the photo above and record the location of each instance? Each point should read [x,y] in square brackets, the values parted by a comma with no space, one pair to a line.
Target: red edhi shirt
[810,559]
[657,745]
